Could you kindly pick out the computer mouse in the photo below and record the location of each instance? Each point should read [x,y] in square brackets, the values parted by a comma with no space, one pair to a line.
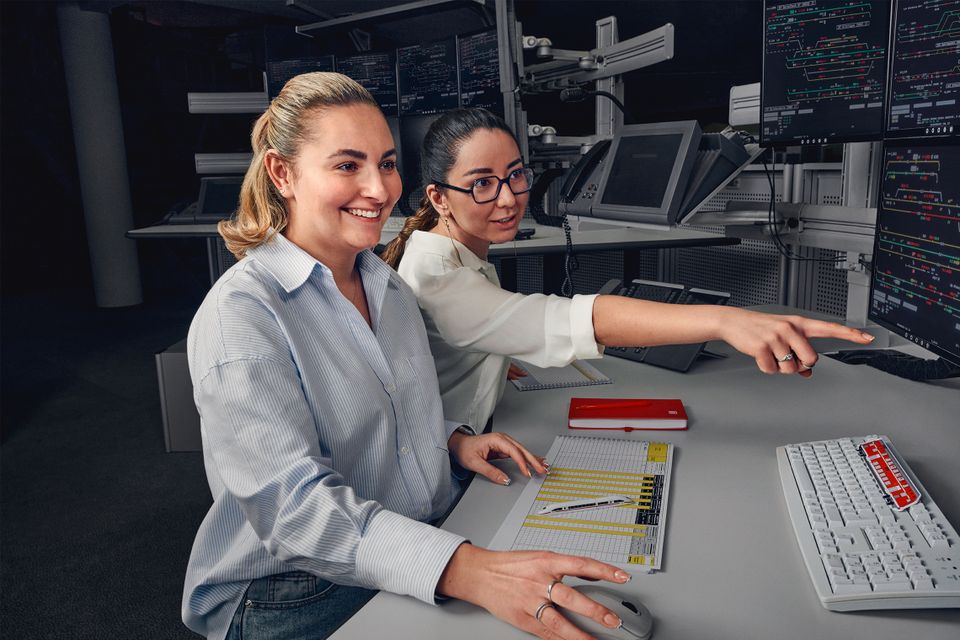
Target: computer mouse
[637,621]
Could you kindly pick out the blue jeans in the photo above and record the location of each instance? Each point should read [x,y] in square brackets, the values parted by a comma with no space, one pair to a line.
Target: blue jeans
[295,606]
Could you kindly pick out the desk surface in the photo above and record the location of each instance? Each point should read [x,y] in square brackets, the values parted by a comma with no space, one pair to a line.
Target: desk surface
[732,567]
[546,239]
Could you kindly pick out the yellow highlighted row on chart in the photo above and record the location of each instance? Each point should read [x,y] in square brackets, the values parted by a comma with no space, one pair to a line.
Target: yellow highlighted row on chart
[619,525]
[559,527]
[554,471]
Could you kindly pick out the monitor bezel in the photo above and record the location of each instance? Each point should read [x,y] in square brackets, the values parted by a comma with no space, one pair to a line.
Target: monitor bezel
[905,134]
[947,355]
[781,142]
[669,207]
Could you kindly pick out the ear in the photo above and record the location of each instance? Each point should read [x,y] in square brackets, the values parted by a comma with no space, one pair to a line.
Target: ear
[437,198]
[277,169]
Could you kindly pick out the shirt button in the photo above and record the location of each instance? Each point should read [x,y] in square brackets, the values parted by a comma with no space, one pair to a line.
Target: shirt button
[405,450]
[390,388]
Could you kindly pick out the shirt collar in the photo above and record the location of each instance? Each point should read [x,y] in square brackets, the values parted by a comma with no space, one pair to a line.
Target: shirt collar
[436,243]
[291,266]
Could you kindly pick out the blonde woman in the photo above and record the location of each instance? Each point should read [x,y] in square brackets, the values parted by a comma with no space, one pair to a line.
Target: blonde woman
[325,445]
[477,190]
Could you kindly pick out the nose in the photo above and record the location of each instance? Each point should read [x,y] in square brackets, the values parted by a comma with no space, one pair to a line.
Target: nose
[506,199]
[374,187]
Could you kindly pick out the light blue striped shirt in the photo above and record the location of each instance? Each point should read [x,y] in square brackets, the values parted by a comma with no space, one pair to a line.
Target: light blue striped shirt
[323,440]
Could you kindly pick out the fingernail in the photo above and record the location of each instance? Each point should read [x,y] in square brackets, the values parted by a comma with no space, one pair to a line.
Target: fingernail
[623,576]
[612,621]
[505,481]
[867,336]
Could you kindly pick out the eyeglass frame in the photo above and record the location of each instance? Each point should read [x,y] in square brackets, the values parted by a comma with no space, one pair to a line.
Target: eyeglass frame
[500,181]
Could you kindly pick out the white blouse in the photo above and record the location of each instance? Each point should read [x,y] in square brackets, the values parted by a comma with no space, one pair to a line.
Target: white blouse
[475,327]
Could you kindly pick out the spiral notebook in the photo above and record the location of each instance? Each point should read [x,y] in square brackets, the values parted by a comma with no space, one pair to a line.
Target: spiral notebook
[576,374]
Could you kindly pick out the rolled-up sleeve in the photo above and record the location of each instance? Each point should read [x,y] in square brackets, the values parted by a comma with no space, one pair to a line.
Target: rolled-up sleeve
[474,314]
[263,442]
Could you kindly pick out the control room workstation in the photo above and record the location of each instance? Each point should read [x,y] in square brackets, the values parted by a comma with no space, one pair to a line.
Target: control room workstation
[786,508]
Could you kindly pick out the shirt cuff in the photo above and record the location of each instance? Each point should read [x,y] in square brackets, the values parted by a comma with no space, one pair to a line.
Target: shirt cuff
[404,556]
[584,339]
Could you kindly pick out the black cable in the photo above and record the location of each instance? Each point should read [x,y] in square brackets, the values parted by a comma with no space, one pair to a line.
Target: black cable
[782,248]
[577,94]
[570,262]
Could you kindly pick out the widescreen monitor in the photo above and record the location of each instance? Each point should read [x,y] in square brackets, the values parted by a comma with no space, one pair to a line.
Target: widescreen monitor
[924,94]
[479,68]
[427,77]
[279,71]
[915,283]
[377,72]
[824,71]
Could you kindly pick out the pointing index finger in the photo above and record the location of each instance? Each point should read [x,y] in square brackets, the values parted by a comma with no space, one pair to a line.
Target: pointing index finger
[820,329]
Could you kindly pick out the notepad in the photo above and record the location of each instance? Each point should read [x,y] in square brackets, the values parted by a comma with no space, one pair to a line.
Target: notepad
[576,374]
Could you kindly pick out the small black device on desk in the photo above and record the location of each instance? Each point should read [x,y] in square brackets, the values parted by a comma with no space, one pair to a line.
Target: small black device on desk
[678,357]
[219,198]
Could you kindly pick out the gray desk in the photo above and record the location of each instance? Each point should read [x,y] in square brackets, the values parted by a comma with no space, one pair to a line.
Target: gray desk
[548,242]
[732,568]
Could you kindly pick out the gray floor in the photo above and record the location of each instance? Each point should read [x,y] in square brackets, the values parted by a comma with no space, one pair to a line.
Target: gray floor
[97,520]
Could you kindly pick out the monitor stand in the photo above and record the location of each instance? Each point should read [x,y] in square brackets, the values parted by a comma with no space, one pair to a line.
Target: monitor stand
[899,364]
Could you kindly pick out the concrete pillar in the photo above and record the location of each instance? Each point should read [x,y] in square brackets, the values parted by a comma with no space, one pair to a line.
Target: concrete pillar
[101,155]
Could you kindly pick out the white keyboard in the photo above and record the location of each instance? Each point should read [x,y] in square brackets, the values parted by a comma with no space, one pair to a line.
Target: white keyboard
[860,551]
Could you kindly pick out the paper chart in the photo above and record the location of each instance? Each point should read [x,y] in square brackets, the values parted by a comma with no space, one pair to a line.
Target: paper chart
[630,536]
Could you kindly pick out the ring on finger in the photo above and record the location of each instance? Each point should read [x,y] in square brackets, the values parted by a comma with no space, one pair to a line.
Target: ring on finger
[543,607]
[550,589]
[786,358]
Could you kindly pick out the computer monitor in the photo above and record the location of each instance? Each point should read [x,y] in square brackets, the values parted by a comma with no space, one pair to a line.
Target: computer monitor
[924,95]
[646,172]
[219,198]
[824,71]
[279,71]
[915,286]
[479,68]
[377,72]
[427,77]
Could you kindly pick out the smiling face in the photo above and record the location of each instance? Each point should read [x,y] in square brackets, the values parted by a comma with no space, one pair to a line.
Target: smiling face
[343,184]
[486,153]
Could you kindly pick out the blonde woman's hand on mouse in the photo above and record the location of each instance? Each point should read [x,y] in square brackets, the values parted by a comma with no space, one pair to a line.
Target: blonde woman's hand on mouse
[512,585]
[473,453]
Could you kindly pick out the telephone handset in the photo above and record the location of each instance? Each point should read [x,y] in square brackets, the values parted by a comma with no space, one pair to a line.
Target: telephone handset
[581,184]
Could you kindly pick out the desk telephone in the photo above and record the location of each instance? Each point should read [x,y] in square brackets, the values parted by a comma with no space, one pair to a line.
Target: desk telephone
[677,357]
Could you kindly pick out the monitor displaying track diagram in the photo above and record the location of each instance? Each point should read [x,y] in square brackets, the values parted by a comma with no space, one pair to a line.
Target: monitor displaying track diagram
[427,77]
[279,71]
[925,69]
[377,72]
[479,68]
[824,71]
[915,287]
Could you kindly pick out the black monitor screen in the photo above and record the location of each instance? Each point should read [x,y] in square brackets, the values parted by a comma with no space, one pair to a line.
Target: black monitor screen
[427,77]
[377,72]
[221,196]
[480,71]
[279,71]
[925,69]
[824,71]
[915,289]
[641,170]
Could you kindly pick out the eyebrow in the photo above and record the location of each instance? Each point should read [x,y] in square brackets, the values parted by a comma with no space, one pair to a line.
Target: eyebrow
[487,170]
[360,155]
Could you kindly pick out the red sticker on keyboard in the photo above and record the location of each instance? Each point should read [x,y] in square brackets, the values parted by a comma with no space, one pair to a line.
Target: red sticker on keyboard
[894,481]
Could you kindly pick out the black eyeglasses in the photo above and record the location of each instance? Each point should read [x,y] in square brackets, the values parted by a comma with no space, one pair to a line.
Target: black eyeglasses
[487,188]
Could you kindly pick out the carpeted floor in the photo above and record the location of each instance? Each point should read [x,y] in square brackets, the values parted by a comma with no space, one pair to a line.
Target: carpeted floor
[97,520]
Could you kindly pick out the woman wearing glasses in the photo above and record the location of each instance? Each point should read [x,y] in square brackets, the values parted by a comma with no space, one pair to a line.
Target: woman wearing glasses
[476,193]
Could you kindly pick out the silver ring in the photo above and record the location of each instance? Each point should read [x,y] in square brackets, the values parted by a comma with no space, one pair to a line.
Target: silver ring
[543,607]
[786,358]
[550,589]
